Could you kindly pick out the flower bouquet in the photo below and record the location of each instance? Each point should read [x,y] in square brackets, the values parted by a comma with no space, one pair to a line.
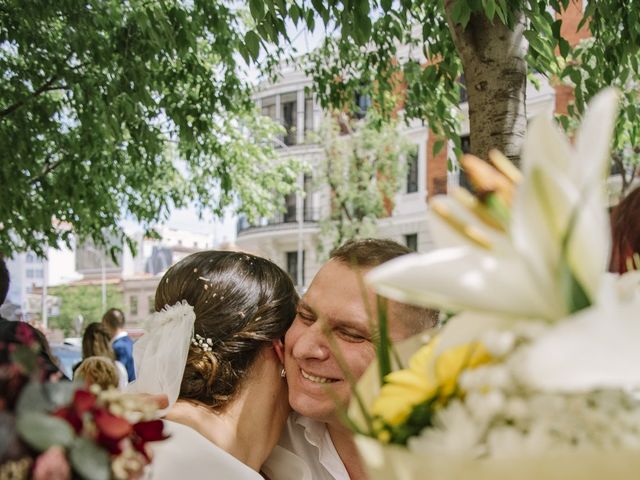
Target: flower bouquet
[535,373]
[58,429]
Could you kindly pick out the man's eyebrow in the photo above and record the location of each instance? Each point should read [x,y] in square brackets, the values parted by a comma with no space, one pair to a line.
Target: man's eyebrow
[304,305]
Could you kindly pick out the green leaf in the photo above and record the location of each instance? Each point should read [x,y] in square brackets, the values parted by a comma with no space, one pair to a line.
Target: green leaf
[42,431]
[89,460]
[565,48]
[252,42]
[257,9]
[386,5]
[437,146]
[489,8]
[461,13]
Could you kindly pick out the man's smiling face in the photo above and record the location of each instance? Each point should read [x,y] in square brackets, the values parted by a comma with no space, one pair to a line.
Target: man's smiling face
[334,302]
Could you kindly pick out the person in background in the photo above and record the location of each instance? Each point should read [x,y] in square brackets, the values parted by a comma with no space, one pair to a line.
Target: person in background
[113,320]
[625,233]
[4,281]
[96,342]
[97,371]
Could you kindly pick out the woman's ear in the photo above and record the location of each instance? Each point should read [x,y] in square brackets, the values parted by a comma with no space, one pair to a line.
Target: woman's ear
[278,347]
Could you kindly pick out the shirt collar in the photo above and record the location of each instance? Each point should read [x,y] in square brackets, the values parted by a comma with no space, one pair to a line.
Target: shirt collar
[119,336]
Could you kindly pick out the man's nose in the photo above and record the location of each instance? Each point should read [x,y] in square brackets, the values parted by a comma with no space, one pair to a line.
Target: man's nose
[312,344]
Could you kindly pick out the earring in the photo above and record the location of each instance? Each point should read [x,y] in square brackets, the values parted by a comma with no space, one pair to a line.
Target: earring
[283,372]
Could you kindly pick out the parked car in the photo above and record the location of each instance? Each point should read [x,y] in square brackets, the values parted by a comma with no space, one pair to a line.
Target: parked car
[68,355]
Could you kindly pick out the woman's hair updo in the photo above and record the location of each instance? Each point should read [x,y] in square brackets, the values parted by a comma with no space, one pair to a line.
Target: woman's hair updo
[242,303]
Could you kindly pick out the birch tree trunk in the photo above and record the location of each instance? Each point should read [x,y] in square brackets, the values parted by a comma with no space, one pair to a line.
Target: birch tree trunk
[496,79]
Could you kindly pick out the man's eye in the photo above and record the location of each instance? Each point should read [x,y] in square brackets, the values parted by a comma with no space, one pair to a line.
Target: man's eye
[351,336]
[306,317]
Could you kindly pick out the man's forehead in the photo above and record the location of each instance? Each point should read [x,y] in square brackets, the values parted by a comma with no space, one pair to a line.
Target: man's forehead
[336,306]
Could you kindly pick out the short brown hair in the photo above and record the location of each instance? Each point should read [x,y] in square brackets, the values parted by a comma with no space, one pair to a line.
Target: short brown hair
[97,371]
[372,252]
[113,319]
[96,342]
[368,252]
[242,303]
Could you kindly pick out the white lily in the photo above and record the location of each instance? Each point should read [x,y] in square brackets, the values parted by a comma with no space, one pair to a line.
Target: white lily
[558,235]
[595,348]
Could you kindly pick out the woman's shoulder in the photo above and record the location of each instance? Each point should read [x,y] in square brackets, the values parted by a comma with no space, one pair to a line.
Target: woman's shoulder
[187,451]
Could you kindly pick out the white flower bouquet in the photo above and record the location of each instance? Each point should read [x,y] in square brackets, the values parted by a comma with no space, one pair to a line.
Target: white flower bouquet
[535,374]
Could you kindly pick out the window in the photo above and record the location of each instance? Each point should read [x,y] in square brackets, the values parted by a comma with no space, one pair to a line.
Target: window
[411,241]
[465,143]
[290,208]
[289,117]
[308,206]
[133,305]
[31,258]
[30,273]
[308,115]
[292,267]
[412,170]
[151,300]
[269,107]
[363,102]
[462,89]
[38,273]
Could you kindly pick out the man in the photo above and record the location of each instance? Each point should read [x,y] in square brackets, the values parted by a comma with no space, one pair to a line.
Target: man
[335,302]
[113,320]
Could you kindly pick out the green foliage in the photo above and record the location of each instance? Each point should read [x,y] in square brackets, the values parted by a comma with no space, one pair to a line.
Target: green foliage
[113,109]
[89,460]
[42,431]
[362,166]
[359,56]
[85,300]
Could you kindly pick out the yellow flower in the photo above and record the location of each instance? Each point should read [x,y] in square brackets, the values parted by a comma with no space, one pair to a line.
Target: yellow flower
[426,377]
[452,362]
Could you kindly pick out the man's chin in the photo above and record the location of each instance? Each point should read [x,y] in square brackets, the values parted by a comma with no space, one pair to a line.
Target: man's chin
[321,410]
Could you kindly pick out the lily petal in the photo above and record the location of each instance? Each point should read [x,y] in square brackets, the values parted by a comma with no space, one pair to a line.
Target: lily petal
[595,348]
[465,278]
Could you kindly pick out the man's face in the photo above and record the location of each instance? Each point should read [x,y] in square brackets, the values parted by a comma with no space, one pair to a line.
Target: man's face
[335,303]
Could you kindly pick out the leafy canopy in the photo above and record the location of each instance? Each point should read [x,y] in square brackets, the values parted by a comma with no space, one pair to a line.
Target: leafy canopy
[373,43]
[112,109]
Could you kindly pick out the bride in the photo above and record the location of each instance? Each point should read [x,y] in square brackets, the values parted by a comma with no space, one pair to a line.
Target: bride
[214,349]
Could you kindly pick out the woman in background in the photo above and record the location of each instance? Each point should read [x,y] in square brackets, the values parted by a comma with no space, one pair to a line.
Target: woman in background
[96,342]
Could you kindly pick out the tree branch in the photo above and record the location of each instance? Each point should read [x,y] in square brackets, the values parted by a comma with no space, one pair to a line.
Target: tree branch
[48,168]
[47,87]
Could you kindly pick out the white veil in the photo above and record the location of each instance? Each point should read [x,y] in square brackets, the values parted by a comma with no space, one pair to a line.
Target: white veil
[160,355]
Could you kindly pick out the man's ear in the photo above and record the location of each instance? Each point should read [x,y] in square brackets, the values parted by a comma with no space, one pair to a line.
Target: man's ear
[278,347]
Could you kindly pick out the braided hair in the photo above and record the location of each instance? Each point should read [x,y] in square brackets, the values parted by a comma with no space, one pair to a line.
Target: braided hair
[242,303]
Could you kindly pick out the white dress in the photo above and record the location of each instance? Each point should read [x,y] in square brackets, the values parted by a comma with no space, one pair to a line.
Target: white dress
[187,454]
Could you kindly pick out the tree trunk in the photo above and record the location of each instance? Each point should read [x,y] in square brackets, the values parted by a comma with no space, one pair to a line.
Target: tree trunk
[496,78]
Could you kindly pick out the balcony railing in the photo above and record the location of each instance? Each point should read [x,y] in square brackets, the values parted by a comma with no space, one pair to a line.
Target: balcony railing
[287,217]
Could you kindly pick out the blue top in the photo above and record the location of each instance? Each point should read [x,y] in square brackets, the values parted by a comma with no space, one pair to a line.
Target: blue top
[123,348]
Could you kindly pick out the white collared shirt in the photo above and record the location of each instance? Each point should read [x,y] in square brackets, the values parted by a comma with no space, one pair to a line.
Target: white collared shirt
[310,440]
[119,336]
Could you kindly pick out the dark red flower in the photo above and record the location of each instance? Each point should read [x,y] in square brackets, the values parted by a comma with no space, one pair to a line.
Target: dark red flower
[83,402]
[111,426]
[24,334]
[151,431]
[70,415]
[113,446]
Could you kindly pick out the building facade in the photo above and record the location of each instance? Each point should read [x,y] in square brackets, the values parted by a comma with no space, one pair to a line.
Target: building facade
[286,236]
